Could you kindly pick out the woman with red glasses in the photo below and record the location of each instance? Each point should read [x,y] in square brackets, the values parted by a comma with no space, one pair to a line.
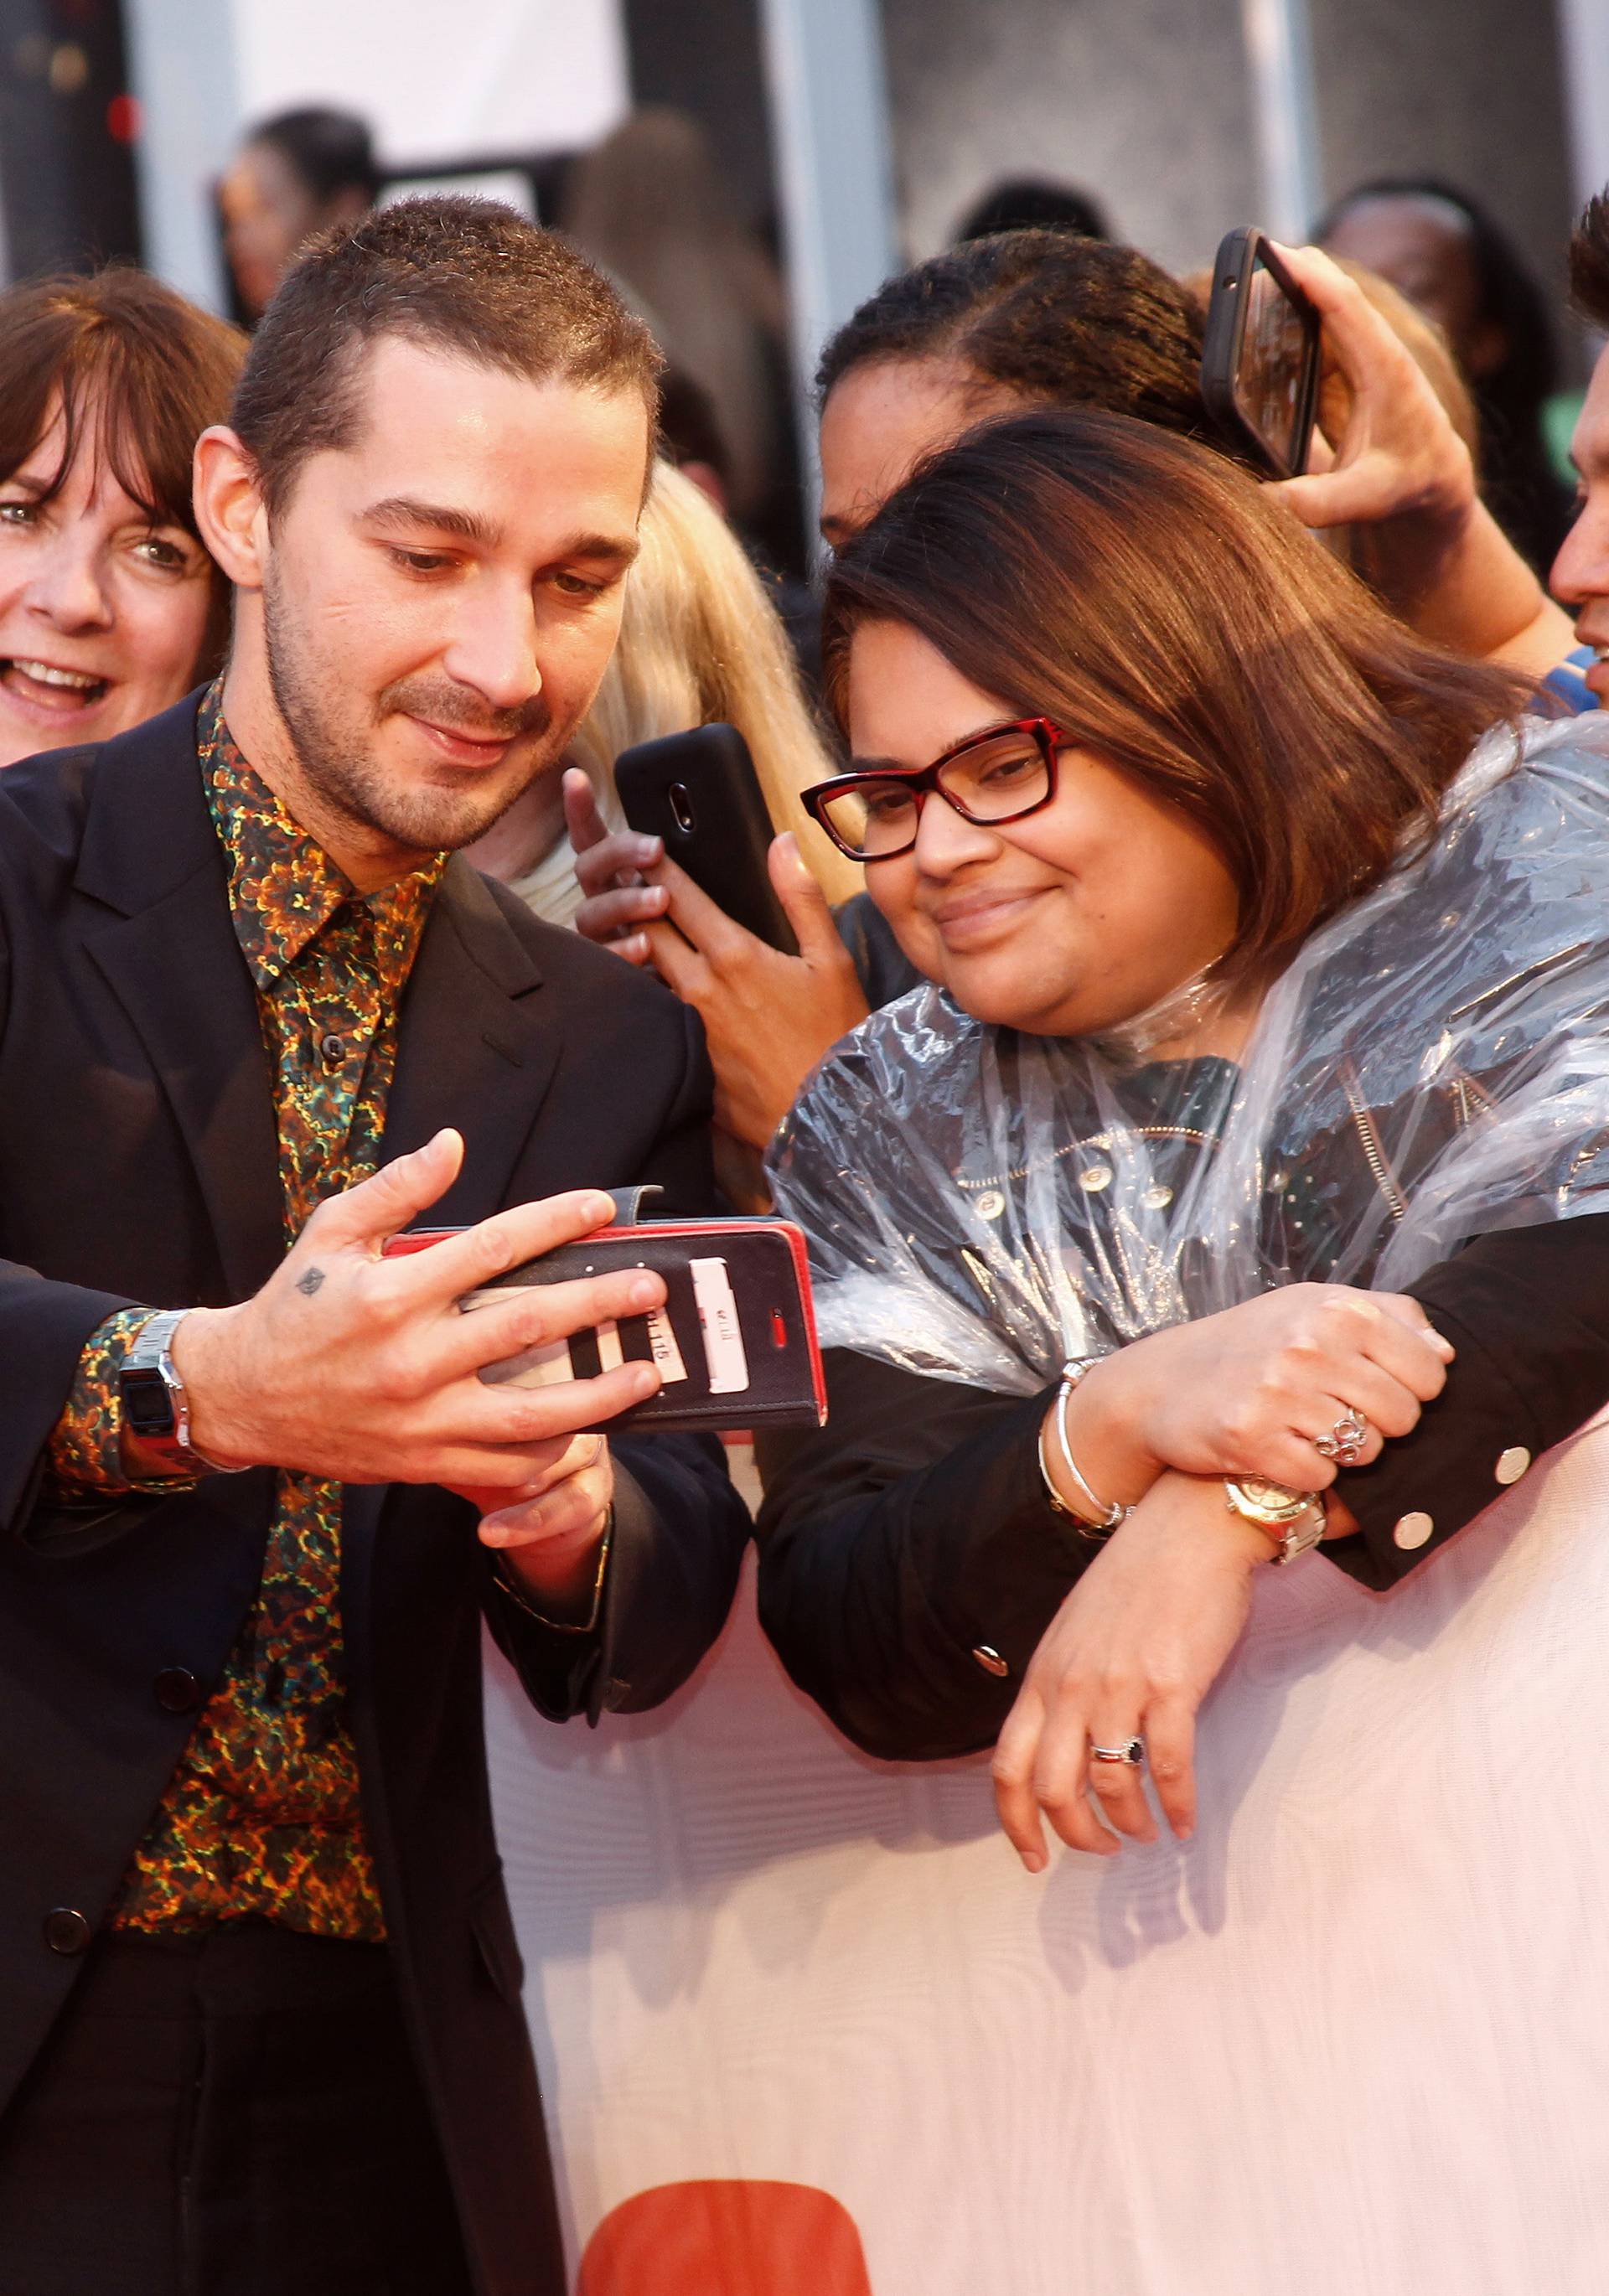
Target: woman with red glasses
[1269,965]
[1270,960]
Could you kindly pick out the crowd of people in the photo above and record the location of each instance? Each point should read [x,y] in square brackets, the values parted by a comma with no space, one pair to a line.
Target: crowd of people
[1189,1081]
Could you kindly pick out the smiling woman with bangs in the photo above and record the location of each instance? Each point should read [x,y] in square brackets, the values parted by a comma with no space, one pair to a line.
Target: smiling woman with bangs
[1268,976]
[110,606]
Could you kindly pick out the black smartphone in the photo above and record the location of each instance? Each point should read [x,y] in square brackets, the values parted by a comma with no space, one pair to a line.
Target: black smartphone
[1259,366]
[701,793]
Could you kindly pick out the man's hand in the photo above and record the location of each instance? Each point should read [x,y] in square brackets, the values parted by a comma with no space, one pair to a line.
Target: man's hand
[363,1369]
[769,1018]
[1131,1653]
[1249,1391]
[1401,478]
[548,1535]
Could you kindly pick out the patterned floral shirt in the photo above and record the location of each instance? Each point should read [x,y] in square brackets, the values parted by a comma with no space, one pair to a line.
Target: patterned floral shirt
[261,1816]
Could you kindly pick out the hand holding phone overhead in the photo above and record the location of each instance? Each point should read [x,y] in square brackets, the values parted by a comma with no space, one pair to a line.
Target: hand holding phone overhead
[1260,362]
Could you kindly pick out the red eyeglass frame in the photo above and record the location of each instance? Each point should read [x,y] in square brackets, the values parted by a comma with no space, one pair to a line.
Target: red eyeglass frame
[924,782]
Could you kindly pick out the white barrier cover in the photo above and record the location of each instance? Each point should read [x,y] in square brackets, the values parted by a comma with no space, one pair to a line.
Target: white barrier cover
[1355,2037]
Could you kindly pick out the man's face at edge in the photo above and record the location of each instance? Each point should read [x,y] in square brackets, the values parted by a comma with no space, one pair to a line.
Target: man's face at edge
[1580,578]
[440,598]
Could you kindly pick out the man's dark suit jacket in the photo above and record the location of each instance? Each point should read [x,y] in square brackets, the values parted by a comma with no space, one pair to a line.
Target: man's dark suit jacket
[138,1164]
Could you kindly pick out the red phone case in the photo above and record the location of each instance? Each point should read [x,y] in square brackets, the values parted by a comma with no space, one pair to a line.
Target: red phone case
[769,1327]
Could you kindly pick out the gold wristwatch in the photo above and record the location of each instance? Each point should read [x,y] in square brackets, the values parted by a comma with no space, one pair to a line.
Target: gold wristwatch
[1294,1520]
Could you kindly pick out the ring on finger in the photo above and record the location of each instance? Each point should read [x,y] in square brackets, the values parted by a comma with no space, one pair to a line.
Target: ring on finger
[1128,1751]
[1346,1438]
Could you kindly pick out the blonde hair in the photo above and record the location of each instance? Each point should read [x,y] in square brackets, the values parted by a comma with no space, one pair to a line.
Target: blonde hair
[701,640]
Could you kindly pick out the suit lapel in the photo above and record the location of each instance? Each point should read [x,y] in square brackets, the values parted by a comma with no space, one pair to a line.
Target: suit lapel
[164,942]
[472,1051]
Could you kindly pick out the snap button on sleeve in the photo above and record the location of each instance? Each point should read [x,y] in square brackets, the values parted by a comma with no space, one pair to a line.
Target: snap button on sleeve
[1413,1529]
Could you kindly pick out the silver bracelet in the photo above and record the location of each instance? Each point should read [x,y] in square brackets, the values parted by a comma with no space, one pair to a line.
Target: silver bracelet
[1104,1518]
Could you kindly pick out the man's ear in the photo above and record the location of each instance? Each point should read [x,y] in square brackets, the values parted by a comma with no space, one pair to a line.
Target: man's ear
[229,508]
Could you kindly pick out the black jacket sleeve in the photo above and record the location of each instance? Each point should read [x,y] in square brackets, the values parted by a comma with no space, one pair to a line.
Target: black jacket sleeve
[43,1328]
[1528,1311]
[910,1559]
[913,1532]
[680,1529]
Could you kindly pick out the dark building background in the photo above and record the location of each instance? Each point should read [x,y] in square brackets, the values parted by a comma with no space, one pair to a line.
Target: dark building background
[66,170]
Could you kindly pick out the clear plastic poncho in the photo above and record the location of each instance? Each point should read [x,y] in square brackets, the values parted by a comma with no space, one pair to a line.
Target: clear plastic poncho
[1431,1066]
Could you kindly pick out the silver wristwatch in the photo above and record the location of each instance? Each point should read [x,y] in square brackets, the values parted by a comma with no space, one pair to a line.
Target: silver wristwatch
[155,1404]
[1294,1520]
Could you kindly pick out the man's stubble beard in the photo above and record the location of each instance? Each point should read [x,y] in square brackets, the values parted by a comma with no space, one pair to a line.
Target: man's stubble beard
[333,743]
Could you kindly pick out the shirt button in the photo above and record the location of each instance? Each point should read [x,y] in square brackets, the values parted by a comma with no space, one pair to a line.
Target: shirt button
[66,1931]
[1413,1529]
[991,1659]
[333,1048]
[1513,1464]
[177,1691]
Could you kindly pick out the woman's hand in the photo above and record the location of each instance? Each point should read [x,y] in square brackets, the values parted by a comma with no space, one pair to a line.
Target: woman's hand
[1402,479]
[1249,1392]
[1398,454]
[619,903]
[1131,1653]
[768,1018]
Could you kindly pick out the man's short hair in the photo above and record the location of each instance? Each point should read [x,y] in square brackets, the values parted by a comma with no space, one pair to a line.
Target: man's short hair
[1589,262]
[465,276]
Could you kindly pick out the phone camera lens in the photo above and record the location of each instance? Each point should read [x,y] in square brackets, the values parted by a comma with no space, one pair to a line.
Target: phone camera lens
[681,807]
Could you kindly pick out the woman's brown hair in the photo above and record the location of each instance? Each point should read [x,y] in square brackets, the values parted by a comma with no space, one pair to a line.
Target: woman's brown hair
[129,357]
[1159,605]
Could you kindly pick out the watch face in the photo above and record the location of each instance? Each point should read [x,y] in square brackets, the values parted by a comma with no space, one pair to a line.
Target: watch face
[147,1405]
[1279,1498]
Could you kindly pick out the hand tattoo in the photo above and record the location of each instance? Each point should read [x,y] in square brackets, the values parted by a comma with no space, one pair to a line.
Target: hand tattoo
[310,1282]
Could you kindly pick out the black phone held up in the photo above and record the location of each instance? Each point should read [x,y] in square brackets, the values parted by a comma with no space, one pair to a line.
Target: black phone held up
[1260,365]
[701,793]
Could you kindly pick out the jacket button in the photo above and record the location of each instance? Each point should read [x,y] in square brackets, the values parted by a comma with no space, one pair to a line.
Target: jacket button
[1414,1529]
[991,1659]
[66,1931]
[177,1691]
[1512,1464]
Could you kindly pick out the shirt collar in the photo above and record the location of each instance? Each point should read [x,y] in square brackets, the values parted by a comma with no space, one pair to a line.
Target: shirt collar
[283,888]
